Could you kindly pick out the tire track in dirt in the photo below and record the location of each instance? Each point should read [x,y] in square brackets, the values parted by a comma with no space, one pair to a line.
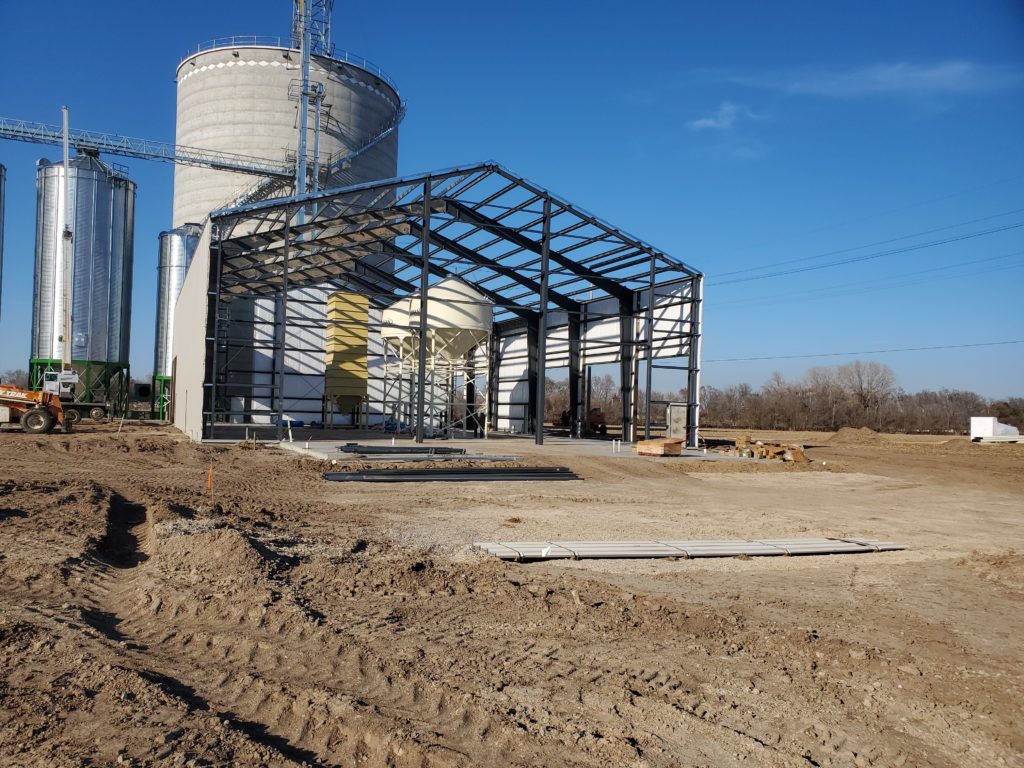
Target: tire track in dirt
[504,665]
[256,609]
[88,636]
[314,690]
[115,569]
[339,708]
[659,705]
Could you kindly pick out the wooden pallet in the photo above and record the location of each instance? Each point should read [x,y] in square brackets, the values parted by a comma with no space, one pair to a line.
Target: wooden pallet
[666,446]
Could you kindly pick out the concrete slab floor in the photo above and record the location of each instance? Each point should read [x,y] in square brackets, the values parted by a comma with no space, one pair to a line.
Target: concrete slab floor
[553,450]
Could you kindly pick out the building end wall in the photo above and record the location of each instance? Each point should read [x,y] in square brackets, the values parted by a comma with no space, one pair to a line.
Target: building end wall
[188,350]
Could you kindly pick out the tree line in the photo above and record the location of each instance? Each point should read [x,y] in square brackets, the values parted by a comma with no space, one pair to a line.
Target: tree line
[858,394]
[16,377]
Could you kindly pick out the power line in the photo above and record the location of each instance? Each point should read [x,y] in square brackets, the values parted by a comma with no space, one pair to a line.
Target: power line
[866,286]
[840,293]
[868,257]
[868,245]
[909,206]
[865,352]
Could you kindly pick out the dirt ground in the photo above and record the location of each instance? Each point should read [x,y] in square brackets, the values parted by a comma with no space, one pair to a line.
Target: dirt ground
[282,620]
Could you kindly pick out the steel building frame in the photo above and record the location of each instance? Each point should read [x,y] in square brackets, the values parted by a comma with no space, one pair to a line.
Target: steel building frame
[547,265]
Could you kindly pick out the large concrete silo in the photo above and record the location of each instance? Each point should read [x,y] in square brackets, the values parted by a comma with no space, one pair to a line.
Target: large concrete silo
[244,99]
[101,203]
[176,250]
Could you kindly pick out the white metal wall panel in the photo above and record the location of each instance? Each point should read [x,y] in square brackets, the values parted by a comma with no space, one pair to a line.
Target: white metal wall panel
[672,319]
[513,383]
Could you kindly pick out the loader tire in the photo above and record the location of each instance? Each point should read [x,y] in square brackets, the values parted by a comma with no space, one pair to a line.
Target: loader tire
[37,421]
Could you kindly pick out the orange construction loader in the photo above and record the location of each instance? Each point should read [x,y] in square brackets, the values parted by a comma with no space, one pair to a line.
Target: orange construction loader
[37,412]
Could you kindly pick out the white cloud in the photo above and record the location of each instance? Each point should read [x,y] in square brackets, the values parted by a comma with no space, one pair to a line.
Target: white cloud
[901,78]
[723,119]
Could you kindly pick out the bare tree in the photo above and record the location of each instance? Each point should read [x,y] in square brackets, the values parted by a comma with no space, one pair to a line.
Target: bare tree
[826,395]
[1009,411]
[853,395]
[17,377]
[556,399]
[604,394]
[868,386]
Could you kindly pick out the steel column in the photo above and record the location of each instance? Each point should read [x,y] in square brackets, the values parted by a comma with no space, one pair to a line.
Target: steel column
[3,181]
[542,325]
[650,353]
[279,354]
[574,376]
[693,364]
[627,339]
[424,287]
[529,413]
[300,161]
[585,367]
[469,377]
[493,371]
[213,319]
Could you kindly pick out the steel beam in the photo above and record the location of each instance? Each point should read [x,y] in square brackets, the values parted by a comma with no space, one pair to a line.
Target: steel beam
[144,149]
[512,273]
[497,298]
[465,213]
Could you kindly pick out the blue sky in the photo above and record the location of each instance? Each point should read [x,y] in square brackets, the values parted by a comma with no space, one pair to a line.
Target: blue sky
[737,136]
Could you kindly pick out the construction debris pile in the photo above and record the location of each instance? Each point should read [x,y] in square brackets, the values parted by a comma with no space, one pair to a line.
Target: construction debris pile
[748,448]
[742,447]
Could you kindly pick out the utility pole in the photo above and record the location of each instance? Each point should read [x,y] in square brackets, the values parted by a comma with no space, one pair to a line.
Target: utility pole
[302,22]
[68,242]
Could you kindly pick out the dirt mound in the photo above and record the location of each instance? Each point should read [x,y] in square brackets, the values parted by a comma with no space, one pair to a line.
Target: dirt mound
[222,554]
[855,436]
[1005,569]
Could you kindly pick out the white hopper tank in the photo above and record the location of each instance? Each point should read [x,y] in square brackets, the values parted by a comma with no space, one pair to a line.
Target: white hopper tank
[458,319]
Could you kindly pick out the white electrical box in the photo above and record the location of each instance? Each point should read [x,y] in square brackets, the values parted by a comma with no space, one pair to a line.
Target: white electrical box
[987,426]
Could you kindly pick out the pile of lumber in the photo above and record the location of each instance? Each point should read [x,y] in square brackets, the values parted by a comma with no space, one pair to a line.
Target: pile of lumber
[665,446]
